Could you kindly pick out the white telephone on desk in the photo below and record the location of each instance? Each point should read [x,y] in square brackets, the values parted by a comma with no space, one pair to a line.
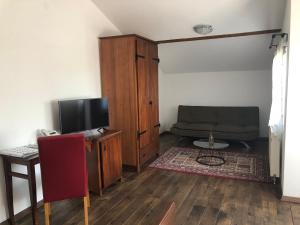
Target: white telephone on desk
[44,132]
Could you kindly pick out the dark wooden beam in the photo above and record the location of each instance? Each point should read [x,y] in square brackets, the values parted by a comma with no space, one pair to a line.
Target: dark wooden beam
[220,36]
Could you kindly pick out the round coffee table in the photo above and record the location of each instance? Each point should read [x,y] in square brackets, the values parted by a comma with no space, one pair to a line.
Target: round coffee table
[217,144]
[210,160]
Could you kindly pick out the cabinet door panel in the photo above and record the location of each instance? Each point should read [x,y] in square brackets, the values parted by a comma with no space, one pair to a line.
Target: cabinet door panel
[111,160]
[94,170]
[119,85]
[143,92]
[153,87]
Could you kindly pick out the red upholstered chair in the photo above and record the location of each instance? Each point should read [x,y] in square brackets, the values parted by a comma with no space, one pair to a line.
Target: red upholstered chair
[63,169]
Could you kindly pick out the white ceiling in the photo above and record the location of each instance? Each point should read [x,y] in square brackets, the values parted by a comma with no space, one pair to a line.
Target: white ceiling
[168,19]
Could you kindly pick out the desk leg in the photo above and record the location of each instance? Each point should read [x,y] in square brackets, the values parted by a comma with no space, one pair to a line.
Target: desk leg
[9,191]
[32,191]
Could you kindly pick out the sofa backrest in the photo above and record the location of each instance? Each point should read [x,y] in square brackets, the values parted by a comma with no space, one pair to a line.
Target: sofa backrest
[219,115]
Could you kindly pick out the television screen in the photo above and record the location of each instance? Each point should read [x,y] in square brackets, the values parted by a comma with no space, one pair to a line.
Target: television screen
[83,114]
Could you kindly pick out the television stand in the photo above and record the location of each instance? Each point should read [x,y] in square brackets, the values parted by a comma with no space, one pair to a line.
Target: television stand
[104,160]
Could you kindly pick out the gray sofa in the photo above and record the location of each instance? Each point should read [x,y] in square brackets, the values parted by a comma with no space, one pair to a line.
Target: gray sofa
[228,123]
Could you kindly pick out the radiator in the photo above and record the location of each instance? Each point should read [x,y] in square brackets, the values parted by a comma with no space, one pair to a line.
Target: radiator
[274,155]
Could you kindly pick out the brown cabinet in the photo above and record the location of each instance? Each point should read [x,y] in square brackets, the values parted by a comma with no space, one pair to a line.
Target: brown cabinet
[111,159]
[129,79]
[104,160]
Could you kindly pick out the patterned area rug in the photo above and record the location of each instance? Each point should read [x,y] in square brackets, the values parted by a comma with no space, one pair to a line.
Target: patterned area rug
[241,166]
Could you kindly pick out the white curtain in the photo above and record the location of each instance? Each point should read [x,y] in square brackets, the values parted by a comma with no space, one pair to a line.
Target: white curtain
[279,80]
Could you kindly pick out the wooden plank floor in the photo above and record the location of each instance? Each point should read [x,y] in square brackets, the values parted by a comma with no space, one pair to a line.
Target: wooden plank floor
[200,200]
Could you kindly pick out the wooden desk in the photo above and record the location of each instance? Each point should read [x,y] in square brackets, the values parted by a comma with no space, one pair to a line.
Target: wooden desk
[29,162]
[104,164]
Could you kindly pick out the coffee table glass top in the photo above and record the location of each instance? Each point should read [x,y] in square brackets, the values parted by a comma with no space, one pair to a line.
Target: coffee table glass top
[217,144]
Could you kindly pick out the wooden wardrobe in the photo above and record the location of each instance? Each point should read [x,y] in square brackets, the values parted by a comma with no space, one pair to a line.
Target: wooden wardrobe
[129,79]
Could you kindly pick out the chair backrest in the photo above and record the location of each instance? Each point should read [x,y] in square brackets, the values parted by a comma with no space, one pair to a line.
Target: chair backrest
[63,166]
[169,216]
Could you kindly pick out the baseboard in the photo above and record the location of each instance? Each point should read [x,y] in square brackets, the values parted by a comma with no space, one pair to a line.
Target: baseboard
[23,213]
[128,168]
[290,199]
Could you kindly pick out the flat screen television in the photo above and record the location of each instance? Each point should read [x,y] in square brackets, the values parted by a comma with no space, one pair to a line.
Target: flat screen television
[83,114]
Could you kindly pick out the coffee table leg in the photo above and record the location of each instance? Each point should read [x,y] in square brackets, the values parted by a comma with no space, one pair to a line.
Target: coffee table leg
[32,191]
[9,192]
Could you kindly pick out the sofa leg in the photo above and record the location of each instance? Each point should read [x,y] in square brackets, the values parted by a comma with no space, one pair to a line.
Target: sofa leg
[247,147]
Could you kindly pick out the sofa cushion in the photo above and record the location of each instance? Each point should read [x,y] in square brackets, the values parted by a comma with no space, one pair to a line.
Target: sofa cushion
[217,135]
[194,126]
[235,128]
[197,114]
[238,115]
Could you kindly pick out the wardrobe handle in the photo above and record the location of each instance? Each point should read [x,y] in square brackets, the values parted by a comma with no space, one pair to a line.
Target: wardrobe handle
[157,125]
[156,59]
[141,133]
[150,102]
[140,56]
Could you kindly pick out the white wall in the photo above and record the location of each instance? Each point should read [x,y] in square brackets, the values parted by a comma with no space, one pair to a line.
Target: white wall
[291,183]
[49,51]
[162,93]
[285,29]
[238,88]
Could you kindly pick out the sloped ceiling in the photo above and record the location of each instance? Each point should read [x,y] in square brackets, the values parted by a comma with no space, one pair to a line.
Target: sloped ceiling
[228,54]
[169,19]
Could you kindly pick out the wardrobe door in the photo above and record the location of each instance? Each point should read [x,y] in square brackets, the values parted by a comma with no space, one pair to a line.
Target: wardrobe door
[153,87]
[119,85]
[143,92]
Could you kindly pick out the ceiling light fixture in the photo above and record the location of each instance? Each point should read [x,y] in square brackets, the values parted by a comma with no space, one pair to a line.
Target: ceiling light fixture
[203,29]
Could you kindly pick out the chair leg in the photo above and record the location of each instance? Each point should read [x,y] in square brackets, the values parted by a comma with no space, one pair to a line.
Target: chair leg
[47,213]
[88,199]
[86,214]
[49,209]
